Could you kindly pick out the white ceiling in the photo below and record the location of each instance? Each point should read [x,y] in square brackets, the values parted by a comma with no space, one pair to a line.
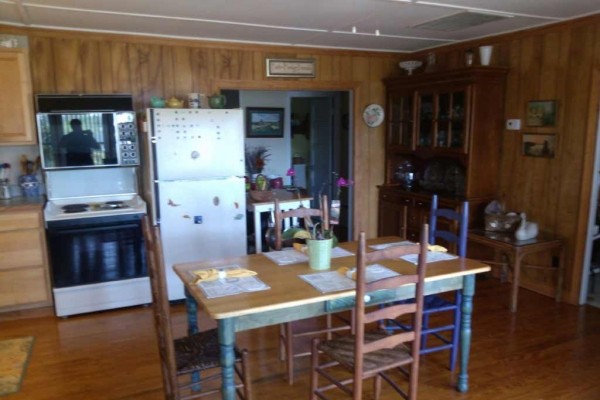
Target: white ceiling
[312,23]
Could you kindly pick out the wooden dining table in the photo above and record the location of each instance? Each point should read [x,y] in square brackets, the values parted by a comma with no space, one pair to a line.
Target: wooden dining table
[290,298]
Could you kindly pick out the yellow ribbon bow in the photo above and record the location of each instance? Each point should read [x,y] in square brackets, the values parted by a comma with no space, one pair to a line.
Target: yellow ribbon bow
[206,275]
[438,248]
[347,272]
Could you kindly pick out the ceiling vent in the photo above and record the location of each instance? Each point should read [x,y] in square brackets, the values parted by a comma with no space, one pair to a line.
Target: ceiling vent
[462,20]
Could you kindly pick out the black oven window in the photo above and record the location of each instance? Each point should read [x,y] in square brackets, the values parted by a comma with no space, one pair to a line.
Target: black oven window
[94,254]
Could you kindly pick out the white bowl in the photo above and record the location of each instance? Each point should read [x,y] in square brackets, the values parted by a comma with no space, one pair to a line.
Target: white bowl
[410,65]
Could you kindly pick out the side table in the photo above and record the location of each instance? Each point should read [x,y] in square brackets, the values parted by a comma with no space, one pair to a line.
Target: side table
[516,250]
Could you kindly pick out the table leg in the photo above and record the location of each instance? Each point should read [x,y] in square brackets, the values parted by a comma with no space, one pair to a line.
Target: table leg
[191,308]
[561,273]
[226,343]
[465,332]
[257,238]
[514,291]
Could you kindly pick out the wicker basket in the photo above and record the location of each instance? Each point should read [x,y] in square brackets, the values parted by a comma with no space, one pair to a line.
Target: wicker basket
[501,222]
[261,195]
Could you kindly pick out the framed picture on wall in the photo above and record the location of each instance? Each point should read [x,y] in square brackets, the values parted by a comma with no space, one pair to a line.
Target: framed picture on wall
[541,113]
[264,122]
[539,145]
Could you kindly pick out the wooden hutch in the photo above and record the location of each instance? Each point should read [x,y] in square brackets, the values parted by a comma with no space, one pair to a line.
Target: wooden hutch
[443,137]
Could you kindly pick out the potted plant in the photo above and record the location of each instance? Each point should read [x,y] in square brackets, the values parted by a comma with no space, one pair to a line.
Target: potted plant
[319,242]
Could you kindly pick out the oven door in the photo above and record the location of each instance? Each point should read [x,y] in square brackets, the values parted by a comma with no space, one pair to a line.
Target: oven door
[93,250]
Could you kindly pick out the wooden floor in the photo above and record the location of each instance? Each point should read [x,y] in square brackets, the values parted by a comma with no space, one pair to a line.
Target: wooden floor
[545,351]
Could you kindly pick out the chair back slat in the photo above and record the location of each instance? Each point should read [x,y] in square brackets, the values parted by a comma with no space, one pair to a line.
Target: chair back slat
[390,312]
[459,219]
[363,317]
[389,342]
[160,307]
[391,283]
[285,219]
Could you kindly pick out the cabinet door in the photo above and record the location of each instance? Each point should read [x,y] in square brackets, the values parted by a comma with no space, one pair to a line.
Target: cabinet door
[23,286]
[391,219]
[442,119]
[426,119]
[16,110]
[400,120]
[451,121]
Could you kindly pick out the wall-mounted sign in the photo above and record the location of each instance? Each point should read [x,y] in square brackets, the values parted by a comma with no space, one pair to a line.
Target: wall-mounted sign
[286,68]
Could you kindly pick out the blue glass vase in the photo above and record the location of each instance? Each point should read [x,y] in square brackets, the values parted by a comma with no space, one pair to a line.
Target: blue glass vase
[30,185]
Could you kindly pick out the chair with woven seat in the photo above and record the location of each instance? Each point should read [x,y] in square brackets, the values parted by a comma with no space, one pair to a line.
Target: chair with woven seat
[190,365]
[375,353]
[288,333]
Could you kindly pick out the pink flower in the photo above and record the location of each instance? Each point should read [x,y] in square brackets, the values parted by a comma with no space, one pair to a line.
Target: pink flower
[342,182]
[290,172]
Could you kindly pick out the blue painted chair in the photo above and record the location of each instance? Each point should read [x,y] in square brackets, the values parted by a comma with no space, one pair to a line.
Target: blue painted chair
[447,335]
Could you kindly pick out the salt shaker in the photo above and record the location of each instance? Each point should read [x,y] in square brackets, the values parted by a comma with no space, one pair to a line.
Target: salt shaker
[4,189]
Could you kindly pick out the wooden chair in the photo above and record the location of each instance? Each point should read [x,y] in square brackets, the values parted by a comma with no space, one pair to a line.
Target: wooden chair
[373,354]
[287,332]
[446,335]
[183,359]
[457,239]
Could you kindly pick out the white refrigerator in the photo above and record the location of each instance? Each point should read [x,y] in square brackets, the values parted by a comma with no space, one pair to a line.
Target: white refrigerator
[195,185]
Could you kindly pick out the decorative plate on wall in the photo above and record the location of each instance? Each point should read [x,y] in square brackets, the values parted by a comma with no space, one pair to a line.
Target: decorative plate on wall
[373,115]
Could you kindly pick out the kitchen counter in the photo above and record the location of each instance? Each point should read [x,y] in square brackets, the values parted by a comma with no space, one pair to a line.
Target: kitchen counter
[22,203]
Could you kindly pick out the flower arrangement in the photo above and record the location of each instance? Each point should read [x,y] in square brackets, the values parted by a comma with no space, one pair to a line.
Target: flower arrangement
[256,159]
[315,232]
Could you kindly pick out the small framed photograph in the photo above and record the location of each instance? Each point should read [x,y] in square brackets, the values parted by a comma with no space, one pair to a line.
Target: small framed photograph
[541,113]
[262,122]
[535,145]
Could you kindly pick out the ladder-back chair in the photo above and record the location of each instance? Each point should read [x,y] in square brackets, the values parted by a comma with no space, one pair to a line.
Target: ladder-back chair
[374,354]
[185,359]
[288,332]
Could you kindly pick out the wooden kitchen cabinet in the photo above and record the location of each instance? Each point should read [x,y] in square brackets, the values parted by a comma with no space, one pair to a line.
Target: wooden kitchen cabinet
[24,275]
[445,129]
[16,98]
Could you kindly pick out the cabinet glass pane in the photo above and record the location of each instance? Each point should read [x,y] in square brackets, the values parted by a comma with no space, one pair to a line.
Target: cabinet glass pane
[426,120]
[443,119]
[400,121]
[458,126]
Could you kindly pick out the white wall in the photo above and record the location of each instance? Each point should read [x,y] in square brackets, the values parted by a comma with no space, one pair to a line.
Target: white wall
[279,148]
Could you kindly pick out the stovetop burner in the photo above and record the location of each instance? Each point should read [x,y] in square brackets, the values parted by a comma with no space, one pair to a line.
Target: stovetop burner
[75,208]
[93,207]
[109,205]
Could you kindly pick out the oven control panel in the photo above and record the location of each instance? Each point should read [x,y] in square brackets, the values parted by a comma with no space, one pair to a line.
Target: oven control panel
[128,143]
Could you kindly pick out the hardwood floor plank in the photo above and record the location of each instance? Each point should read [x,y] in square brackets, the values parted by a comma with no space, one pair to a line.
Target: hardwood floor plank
[544,351]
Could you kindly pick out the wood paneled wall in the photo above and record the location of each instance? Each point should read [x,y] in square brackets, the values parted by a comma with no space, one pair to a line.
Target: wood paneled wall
[559,62]
[67,62]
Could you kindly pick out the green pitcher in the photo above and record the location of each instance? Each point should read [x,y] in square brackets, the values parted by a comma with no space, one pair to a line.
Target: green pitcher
[319,253]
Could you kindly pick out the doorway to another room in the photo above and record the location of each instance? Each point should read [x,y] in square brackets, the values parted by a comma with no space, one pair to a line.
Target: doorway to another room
[316,145]
[321,150]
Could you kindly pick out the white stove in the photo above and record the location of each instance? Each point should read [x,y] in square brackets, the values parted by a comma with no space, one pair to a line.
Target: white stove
[93,230]
[95,206]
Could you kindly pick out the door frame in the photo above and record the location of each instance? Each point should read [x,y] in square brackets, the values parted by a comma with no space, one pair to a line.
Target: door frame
[354,90]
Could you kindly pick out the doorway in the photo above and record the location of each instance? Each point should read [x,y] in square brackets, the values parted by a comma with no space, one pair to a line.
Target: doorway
[590,281]
[321,149]
[317,143]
